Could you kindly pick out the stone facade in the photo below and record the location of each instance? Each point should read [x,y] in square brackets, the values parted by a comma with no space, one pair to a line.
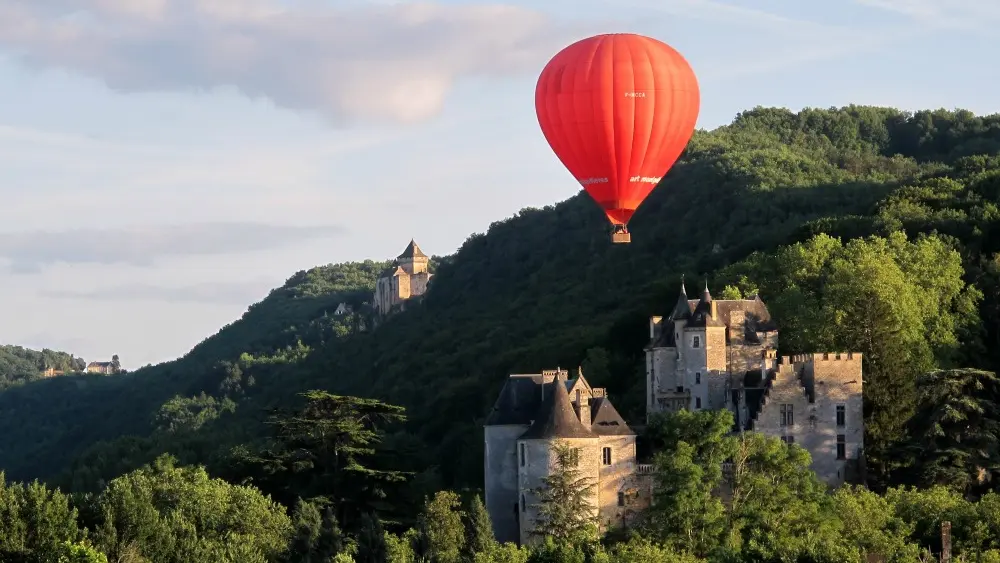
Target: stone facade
[533,414]
[406,279]
[815,400]
[722,354]
[106,368]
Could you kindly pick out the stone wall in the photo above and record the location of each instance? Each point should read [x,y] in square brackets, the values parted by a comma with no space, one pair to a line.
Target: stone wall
[834,380]
[501,486]
[715,349]
[540,461]
[613,478]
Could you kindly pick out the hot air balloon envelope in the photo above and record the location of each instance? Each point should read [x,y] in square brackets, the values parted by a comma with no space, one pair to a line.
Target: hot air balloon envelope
[618,110]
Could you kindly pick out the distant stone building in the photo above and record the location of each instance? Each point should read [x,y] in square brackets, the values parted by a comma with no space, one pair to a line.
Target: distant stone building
[406,279]
[106,368]
[52,372]
[722,354]
[343,309]
[533,413]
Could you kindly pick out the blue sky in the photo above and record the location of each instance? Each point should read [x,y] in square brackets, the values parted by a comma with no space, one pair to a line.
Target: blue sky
[164,163]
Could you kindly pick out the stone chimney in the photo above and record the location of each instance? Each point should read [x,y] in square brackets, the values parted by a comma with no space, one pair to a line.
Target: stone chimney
[582,404]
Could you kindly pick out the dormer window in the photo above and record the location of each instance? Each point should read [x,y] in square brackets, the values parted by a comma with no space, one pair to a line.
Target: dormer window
[696,342]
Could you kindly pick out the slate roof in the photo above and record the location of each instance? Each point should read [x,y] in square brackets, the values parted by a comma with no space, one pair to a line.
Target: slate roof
[557,419]
[681,310]
[519,400]
[754,310]
[521,403]
[702,314]
[605,419]
[412,251]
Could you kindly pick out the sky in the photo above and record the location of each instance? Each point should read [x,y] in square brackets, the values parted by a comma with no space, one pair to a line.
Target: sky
[165,163]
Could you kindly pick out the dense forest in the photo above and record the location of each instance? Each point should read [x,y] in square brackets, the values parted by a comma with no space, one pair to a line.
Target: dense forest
[865,229]
[20,365]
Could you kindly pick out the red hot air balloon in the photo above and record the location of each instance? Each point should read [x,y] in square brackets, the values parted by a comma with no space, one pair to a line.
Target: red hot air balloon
[618,110]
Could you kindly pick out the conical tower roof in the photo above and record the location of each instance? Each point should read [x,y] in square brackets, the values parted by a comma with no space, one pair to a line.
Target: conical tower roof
[682,311]
[556,418]
[702,315]
[412,251]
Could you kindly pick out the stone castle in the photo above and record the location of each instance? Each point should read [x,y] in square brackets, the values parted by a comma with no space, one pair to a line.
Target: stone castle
[722,354]
[532,414]
[406,279]
[707,354]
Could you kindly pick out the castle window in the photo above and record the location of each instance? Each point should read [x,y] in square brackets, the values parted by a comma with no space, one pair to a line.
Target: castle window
[697,378]
[841,446]
[606,456]
[788,439]
[522,455]
[786,416]
[841,416]
[696,342]
[697,402]
[621,499]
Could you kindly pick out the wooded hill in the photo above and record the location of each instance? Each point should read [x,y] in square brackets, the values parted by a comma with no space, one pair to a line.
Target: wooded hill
[20,365]
[756,206]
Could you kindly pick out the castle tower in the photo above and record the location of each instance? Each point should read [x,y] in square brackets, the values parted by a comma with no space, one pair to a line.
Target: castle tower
[406,278]
[704,353]
[537,459]
[412,260]
[680,315]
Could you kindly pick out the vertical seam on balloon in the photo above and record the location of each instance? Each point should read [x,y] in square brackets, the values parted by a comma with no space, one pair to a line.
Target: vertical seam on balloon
[650,120]
[567,114]
[579,144]
[661,114]
[626,166]
[611,143]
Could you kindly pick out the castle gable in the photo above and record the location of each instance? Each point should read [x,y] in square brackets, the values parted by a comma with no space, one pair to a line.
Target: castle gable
[605,419]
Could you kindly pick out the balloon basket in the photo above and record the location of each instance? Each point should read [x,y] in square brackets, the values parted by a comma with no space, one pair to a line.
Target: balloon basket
[621,237]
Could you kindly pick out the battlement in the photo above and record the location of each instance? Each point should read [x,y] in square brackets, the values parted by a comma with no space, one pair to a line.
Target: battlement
[820,357]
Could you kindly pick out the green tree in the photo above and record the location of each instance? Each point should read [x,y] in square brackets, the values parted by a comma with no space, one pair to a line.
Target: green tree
[479,528]
[686,513]
[442,527]
[953,432]
[779,510]
[81,552]
[398,549]
[372,547]
[870,523]
[322,450]
[564,509]
[35,522]
[179,514]
[316,537]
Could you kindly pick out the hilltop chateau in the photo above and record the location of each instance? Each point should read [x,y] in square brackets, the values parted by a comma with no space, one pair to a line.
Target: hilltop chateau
[532,414]
[706,354]
[405,279]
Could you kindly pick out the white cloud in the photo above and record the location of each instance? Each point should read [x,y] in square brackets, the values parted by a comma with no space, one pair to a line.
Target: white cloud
[28,252]
[943,14]
[235,293]
[380,62]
